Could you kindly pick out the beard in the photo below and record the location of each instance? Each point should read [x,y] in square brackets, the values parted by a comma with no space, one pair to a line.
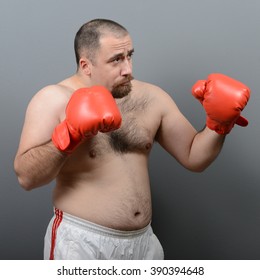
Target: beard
[123,89]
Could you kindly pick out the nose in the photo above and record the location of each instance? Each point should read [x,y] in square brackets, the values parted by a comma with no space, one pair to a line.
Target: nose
[126,67]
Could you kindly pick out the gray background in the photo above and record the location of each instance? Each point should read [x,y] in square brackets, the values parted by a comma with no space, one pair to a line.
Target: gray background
[211,215]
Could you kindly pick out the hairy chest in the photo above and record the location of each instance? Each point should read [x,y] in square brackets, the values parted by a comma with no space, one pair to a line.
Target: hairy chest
[137,131]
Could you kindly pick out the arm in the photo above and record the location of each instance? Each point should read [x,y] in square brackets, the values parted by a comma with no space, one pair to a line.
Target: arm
[88,111]
[38,161]
[205,148]
[38,166]
[223,99]
[194,150]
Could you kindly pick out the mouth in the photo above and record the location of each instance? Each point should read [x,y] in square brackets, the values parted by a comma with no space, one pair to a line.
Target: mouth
[123,88]
[127,81]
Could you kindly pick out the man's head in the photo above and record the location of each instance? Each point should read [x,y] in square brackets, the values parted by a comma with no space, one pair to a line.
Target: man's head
[103,50]
[87,40]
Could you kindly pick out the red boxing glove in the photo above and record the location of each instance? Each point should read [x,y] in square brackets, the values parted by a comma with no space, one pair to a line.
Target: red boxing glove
[88,111]
[223,99]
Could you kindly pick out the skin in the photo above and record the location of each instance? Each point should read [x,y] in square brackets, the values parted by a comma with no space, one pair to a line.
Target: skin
[105,180]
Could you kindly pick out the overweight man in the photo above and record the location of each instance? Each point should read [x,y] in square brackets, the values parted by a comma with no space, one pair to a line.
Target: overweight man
[93,133]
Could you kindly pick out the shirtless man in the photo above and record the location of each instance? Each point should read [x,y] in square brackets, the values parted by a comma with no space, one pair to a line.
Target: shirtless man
[97,147]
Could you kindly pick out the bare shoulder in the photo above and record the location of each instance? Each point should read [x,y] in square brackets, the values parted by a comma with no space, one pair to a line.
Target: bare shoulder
[160,97]
[51,94]
[145,87]
[52,98]
[45,110]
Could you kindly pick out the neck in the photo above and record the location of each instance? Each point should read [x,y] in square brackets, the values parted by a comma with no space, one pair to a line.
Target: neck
[80,81]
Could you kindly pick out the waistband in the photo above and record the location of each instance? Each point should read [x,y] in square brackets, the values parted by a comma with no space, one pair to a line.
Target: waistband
[90,226]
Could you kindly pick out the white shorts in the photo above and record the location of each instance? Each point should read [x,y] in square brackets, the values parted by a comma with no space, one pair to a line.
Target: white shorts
[71,238]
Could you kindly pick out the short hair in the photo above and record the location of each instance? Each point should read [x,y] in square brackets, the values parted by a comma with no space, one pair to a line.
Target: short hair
[87,39]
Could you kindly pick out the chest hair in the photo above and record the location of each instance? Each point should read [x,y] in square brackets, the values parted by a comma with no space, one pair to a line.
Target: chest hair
[133,135]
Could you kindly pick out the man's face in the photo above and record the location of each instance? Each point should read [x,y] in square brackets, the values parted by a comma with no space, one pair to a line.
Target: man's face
[113,65]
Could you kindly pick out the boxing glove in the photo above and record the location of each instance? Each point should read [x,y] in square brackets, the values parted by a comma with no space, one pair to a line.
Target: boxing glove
[88,111]
[223,99]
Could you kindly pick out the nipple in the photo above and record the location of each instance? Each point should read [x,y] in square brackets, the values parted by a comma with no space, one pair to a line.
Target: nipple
[148,146]
[92,153]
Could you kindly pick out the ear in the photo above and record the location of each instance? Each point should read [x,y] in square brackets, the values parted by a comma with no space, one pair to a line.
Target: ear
[85,66]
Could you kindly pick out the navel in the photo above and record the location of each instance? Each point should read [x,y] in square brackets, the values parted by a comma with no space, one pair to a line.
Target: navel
[137,214]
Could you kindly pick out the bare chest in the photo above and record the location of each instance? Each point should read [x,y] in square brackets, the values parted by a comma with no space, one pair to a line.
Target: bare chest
[136,133]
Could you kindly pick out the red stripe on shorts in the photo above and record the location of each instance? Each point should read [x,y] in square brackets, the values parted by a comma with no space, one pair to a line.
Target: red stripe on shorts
[55,227]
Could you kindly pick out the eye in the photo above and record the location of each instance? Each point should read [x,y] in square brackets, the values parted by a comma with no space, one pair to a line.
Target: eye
[130,55]
[118,59]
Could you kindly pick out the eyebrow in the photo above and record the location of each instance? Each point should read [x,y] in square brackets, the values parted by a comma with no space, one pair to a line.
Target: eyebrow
[118,55]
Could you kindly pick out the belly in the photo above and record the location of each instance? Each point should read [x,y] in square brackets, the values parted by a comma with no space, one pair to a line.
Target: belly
[116,199]
[118,208]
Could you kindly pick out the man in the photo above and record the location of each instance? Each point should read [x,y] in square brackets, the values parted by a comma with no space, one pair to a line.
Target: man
[97,147]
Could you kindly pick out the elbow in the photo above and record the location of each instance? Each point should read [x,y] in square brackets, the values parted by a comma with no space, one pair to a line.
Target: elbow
[25,183]
[23,178]
[197,168]
[29,182]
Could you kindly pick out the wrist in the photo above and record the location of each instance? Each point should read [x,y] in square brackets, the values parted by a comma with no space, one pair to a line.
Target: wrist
[222,128]
[64,140]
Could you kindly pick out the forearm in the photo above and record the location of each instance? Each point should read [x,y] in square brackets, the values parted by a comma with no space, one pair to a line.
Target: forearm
[39,166]
[205,148]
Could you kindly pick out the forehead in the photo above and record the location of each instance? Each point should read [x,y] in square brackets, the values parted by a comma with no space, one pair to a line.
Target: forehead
[112,44]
